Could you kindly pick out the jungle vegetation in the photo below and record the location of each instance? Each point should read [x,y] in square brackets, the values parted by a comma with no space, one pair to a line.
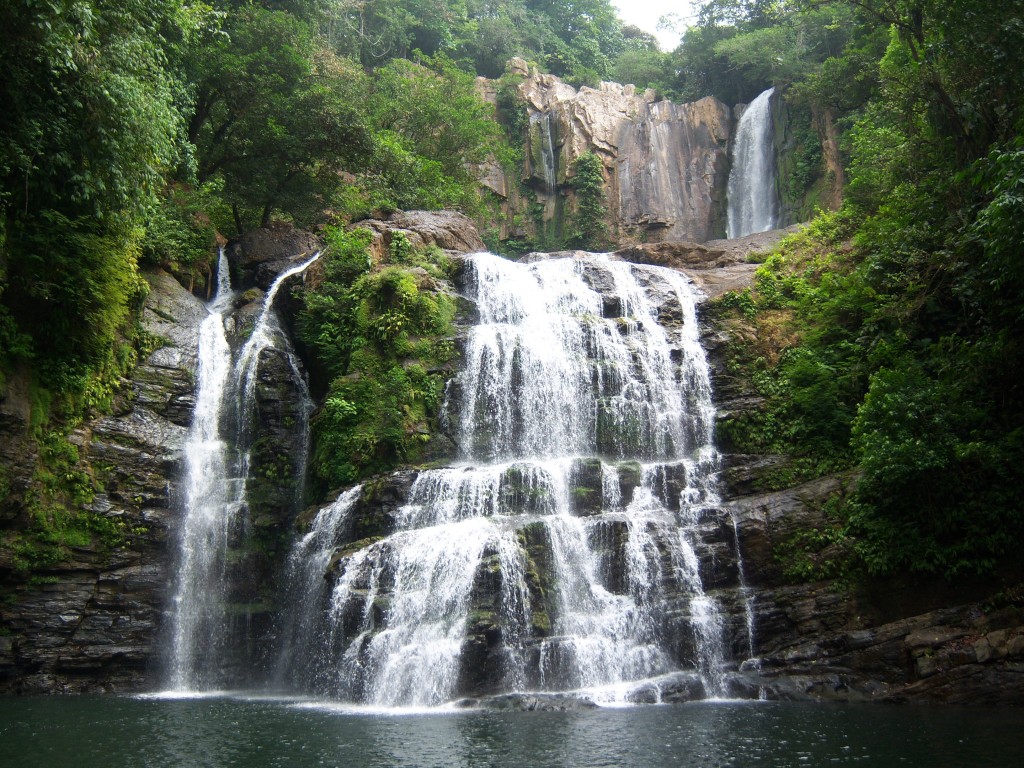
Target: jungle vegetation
[888,336]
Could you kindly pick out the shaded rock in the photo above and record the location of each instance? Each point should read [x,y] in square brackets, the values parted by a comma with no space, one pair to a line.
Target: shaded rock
[450,231]
[260,255]
[676,688]
[534,702]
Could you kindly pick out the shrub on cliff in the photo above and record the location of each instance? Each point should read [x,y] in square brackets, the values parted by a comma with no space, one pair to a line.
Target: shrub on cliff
[385,340]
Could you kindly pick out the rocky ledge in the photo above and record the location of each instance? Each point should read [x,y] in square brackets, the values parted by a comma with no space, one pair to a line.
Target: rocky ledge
[898,640]
[449,231]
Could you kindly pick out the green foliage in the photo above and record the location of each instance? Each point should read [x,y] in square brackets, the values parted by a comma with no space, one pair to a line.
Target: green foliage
[324,322]
[178,230]
[273,116]
[642,68]
[824,552]
[896,345]
[940,485]
[89,123]
[89,130]
[430,130]
[787,52]
[800,353]
[589,225]
[803,166]
[74,296]
[385,341]
[511,111]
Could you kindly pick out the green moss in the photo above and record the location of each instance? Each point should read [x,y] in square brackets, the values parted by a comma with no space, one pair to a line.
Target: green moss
[350,549]
[589,224]
[386,342]
[541,623]
[55,503]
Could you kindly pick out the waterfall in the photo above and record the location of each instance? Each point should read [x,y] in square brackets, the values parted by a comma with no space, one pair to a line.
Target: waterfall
[211,500]
[216,473]
[549,159]
[753,204]
[566,549]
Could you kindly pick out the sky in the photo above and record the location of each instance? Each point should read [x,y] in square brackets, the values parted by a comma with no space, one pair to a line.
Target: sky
[645,14]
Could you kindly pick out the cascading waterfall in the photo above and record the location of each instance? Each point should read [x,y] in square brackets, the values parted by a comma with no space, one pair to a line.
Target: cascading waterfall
[753,203]
[267,333]
[216,472]
[566,550]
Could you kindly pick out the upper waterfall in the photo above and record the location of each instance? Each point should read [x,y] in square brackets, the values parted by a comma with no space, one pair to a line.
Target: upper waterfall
[753,202]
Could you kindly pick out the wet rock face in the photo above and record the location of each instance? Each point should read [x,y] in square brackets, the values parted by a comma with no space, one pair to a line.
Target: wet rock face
[671,169]
[91,622]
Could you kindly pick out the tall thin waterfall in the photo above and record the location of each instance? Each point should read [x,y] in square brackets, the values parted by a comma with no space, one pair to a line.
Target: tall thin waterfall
[549,160]
[211,500]
[567,550]
[216,469]
[753,203]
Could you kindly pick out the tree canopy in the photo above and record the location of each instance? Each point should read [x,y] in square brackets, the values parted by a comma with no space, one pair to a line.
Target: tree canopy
[902,309]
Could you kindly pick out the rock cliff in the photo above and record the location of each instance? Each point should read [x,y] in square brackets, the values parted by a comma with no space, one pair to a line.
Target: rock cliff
[89,622]
[665,164]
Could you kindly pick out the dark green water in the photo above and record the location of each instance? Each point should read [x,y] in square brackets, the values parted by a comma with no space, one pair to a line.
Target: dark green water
[112,731]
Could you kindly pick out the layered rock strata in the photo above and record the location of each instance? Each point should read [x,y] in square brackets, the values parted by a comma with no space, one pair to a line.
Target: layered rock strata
[90,622]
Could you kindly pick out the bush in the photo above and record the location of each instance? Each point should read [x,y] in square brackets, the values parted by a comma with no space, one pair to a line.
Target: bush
[385,343]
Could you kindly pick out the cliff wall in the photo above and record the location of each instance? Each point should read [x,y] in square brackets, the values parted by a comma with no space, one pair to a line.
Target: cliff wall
[665,165]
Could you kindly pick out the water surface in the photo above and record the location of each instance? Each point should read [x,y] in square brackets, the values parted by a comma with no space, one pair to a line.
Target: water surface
[258,732]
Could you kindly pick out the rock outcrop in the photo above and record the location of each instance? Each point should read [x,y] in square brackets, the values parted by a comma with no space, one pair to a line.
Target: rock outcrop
[665,164]
[716,266]
[449,231]
[260,255]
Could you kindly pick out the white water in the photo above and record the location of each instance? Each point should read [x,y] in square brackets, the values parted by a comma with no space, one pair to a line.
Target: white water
[211,499]
[584,422]
[216,468]
[753,202]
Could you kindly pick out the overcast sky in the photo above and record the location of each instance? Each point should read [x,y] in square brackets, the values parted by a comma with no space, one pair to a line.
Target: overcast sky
[645,14]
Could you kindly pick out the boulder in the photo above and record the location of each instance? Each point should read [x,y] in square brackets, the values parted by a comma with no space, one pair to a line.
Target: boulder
[677,254]
[260,255]
[450,231]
